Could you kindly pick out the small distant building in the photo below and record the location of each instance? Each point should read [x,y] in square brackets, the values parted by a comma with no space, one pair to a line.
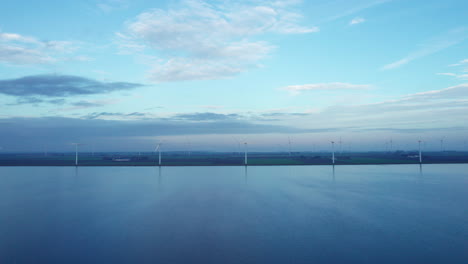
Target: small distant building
[120,159]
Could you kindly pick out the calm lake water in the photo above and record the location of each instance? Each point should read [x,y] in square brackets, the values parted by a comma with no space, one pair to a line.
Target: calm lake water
[285,214]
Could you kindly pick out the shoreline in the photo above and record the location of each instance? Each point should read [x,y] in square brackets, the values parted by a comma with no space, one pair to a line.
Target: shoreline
[217,165]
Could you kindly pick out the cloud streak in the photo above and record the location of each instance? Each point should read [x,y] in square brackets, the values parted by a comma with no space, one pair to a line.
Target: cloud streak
[438,44]
[25,50]
[60,86]
[460,63]
[334,86]
[356,9]
[357,20]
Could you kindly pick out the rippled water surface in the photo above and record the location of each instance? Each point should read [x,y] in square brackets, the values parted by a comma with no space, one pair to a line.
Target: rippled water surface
[303,214]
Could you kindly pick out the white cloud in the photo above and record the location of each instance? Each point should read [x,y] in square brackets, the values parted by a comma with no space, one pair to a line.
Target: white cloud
[201,40]
[19,49]
[465,61]
[357,20]
[20,55]
[447,74]
[326,87]
[108,6]
[458,76]
[463,76]
[440,43]
[5,37]
[453,92]
[180,69]
[355,9]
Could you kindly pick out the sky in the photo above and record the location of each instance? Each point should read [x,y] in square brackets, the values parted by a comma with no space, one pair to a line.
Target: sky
[121,75]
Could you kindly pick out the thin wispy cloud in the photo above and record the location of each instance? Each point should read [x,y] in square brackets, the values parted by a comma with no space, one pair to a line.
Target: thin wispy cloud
[200,40]
[26,50]
[206,116]
[115,115]
[355,10]
[356,20]
[36,101]
[334,86]
[462,62]
[447,74]
[458,76]
[86,104]
[453,93]
[108,6]
[438,44]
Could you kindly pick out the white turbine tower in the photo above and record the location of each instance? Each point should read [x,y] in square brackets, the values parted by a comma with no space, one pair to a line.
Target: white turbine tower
[245,153]
[76,152]
[341,147]
[289,143]
[238,146]
[189,147]
[158,149]
[442,144]
[333,152]
[420,156]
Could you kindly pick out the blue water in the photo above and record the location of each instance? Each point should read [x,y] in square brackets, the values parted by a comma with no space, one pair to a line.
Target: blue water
[303,214]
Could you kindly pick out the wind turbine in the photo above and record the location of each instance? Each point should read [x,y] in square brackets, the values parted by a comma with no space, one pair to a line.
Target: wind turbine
[245,153]
[238,145]
[289,142]
[189,146]
[341,148]
[442,144]
[76,152]
[420,156]
[158,149]
[333,151]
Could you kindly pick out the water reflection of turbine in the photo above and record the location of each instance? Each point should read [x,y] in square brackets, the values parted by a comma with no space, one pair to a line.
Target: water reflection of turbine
[420,154]
[246,174]
[333,152]
[159,178]
[245,153]
[333,173]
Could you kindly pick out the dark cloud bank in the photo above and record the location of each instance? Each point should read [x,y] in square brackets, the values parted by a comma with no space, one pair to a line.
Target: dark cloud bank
[32,134]
[23,133]
[60,86]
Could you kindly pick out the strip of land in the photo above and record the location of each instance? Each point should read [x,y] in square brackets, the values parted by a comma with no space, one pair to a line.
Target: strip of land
[228,158]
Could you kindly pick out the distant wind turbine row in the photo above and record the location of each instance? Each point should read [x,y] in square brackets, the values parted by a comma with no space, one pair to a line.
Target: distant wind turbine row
[390,144]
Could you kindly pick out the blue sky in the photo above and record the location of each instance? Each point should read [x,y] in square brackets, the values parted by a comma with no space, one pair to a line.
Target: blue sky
[122,75]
